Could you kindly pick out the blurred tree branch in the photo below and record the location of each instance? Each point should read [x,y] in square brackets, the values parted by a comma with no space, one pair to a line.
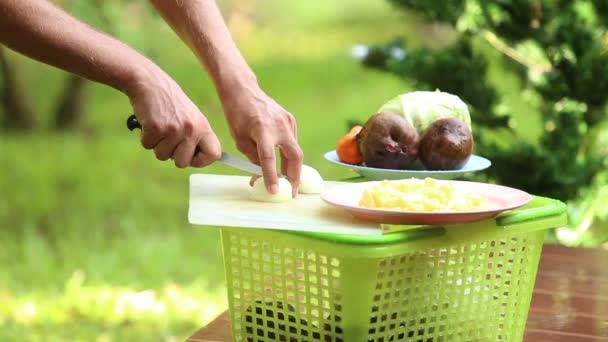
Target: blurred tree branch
[513,54]
[17,114]
[70,104]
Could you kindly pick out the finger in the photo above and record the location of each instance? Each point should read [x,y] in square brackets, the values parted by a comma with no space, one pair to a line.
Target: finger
[294,127]
[253,179]
[251,152]
[291,164]
[269,166]
[184,153]
[249,149]
[295,187]
[202,159]
[166,147]
[210,151]
[150,136]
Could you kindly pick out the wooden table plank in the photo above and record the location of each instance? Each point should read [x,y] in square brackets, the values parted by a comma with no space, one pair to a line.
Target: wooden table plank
[555,304]
[570,300]
[558,281]
[533,335]
[216,331]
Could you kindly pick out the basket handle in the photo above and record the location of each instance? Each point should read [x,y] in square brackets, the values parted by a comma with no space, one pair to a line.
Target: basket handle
[539,208]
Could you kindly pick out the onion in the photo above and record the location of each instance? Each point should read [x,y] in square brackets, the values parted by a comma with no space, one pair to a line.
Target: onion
[311,181]
[259,193]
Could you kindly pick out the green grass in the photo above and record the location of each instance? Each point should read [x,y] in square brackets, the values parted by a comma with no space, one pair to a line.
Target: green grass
[95,240]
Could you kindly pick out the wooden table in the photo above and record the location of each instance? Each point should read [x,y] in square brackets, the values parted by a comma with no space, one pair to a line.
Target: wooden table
[570,301]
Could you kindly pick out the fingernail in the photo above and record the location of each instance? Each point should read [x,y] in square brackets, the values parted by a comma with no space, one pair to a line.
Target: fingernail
[274,188]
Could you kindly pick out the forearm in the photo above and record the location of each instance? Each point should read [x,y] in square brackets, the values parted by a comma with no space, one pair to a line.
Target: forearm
[199,23]
[38,29]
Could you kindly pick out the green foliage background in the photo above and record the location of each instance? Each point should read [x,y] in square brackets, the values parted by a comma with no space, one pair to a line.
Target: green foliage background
[95,240]
[550,138]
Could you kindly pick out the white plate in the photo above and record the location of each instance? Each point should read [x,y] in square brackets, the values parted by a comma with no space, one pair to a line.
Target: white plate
[499,198]
[475,163]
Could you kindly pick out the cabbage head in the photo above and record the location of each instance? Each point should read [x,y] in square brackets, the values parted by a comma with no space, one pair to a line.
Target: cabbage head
[422,108]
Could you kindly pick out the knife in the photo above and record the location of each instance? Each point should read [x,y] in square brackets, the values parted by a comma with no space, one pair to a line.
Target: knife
[241,164]
[227,158]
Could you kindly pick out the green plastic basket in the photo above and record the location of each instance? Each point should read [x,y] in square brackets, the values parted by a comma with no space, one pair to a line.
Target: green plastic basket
[468,282]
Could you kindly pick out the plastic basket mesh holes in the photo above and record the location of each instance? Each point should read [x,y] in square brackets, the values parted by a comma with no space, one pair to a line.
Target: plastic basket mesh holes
[463,293]
[286,294]
[477,291]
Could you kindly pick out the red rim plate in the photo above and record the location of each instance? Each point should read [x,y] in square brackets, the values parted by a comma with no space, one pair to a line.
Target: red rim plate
[499,198]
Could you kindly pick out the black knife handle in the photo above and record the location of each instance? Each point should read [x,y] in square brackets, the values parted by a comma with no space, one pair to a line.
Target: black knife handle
[132,124]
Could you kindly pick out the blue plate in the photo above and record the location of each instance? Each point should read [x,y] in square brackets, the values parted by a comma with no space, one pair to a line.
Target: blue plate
[475,163]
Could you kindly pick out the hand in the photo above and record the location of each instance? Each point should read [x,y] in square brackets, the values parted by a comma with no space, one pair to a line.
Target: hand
[258,125]
[172,125]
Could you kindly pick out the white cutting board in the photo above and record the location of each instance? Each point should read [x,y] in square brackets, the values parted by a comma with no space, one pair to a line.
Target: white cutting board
[223,201]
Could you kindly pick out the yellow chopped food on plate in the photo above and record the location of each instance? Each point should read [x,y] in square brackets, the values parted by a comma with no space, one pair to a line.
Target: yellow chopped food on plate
[421,195]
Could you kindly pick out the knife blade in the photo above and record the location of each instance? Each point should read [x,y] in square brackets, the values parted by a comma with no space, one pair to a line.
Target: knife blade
[227,158]
[241,164]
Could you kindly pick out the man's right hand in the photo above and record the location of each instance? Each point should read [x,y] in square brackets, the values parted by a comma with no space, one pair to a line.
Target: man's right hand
[172,125]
